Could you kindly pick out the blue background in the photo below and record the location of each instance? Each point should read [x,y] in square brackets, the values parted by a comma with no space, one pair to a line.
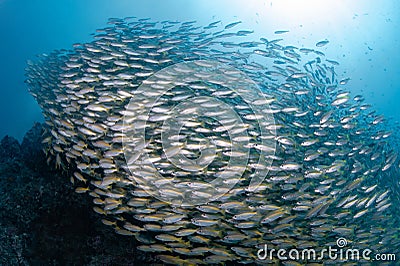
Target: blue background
[363,37]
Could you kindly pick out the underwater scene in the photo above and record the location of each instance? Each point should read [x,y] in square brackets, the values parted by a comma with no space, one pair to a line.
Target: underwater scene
[200,132]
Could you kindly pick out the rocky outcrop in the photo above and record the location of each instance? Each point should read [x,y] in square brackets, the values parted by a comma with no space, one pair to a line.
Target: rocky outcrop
[42,220]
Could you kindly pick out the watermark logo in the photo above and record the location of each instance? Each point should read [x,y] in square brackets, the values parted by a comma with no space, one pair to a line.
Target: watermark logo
[341,242]
[339,253]
[215,104]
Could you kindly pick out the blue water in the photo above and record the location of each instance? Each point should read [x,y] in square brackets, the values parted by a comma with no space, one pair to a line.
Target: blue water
[363,37]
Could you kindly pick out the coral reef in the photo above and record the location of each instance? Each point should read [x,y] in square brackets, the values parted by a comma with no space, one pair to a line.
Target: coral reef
[42,220]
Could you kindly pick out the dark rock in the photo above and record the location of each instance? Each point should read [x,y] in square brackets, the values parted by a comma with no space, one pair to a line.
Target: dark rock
[32,148]
[10,149]
[44,222]
[10,157]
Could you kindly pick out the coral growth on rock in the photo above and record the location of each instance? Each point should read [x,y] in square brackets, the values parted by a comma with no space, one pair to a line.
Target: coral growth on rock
[42,220]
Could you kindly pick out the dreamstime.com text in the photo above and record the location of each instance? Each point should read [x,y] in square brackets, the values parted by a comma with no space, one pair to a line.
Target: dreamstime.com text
[339,253]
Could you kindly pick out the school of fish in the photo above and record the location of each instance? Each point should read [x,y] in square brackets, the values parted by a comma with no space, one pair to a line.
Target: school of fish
[334,166]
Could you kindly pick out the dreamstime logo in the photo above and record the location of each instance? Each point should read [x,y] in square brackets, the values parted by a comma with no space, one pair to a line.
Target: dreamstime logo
[341,242]
[171,105]
[341,253]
